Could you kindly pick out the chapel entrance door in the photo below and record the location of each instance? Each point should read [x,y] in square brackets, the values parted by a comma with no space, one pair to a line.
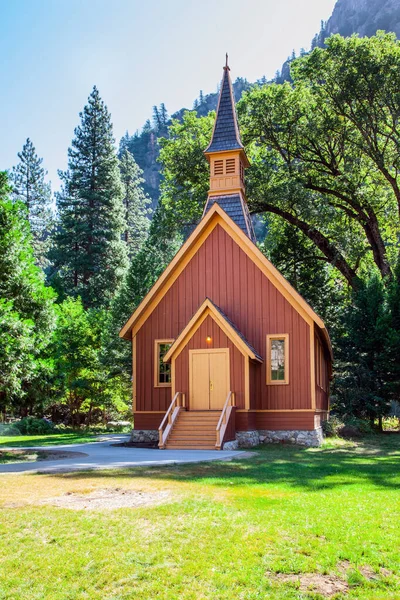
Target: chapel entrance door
[209,378]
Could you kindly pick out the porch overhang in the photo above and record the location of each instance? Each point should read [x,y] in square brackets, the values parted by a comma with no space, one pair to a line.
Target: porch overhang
[208,308]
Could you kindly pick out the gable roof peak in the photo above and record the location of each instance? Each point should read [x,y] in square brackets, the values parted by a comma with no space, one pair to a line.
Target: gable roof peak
[226,135]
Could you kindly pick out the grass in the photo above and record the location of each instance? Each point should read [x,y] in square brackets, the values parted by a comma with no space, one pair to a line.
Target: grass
[230,530]
[55,439]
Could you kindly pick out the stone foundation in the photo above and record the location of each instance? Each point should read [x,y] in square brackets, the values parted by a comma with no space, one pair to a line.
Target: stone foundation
[144,435]
[312,438]
[232,445]
[249,439]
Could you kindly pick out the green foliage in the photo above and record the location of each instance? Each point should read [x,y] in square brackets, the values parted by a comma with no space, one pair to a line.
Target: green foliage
[26,305]
[325,152]
[146,266]
[185,170]
[33,426]
[29,187]
[308,271]
[9,430]
[332,426]
[367,377]
[90,256]
[135,202]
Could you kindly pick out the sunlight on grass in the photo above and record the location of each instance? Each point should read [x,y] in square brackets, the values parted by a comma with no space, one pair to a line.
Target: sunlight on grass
[56,439]
[226,530]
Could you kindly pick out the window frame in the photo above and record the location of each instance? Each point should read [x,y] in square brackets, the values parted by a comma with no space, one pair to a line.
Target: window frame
[271,338]
[157,344]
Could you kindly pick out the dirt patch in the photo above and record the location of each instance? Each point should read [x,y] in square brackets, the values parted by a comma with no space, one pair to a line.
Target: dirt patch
[109,499]
[328,585]
[325,585]
[25,455]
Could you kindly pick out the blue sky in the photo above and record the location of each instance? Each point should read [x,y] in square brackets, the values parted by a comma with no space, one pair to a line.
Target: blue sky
[137,53]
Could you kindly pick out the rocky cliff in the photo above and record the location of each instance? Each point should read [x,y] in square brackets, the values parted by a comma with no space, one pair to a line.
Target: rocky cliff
[364,17]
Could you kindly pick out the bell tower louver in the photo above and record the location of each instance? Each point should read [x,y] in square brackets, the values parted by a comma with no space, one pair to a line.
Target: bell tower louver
[228,161]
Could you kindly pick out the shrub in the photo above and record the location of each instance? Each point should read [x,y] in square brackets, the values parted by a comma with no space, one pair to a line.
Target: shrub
[32,426]
[9,429]
[331,427]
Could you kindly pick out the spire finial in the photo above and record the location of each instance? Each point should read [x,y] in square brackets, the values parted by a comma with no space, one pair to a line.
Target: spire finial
[226,62]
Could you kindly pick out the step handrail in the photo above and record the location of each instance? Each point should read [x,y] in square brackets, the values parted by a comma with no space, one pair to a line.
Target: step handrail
[224,419]
[178,402]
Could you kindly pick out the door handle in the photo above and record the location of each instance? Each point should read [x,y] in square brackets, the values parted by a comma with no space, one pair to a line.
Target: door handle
[211,386]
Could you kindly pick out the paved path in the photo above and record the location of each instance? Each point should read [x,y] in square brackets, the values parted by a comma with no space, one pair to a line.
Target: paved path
[104,455]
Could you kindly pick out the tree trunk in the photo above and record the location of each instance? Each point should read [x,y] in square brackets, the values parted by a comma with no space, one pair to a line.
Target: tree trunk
[332,253]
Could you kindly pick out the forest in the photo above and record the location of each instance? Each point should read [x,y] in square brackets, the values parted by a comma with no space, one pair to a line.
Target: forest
[324,192]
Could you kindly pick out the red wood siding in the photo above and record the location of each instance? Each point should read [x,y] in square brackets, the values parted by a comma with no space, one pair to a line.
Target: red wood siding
[321,375]
[286,421]
[219,340]
[224,273]
[147,420]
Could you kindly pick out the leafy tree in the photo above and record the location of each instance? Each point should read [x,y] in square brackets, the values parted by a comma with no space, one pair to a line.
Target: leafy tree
[185,170]
[309,272]
[90,255]
[26,305]
[29,187]
[81,385]
[136,204]
[317,138]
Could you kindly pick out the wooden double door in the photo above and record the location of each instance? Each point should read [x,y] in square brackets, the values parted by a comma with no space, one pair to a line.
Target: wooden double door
[209,378]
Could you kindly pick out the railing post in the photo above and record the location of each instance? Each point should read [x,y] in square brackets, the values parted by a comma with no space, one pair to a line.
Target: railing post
[183,401]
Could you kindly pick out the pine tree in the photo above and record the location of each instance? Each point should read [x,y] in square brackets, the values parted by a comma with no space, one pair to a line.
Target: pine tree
[156,119]
[164,117]
[26,305]
[144,270]
[28,183]
[136,204]
[90,255]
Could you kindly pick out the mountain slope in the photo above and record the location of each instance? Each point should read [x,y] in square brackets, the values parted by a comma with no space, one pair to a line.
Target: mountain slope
[364,17]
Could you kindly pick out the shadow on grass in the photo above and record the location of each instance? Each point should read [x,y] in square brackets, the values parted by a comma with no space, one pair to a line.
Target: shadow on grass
[374,462]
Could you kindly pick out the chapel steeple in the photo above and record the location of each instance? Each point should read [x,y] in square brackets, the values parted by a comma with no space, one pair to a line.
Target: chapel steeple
[228,160]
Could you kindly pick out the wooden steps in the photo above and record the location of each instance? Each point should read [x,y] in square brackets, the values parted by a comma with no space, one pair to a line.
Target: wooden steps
[194,430]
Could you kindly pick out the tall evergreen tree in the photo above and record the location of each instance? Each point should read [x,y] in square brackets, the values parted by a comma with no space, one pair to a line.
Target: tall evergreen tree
[26,311]
[136,204]
[29,186]
[90,255]
[154,256]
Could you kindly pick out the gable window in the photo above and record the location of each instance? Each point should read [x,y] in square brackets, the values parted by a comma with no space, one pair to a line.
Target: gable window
[162,370]
[278,359]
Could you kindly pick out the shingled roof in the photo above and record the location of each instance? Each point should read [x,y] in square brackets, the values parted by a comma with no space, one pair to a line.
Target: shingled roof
[226,134]
[236,209]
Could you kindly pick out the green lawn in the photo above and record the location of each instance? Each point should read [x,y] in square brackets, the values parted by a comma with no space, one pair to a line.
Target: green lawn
[268,527]
[56,439]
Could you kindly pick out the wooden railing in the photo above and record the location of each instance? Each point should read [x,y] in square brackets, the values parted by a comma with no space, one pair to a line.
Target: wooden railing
[226,424]
[178,402]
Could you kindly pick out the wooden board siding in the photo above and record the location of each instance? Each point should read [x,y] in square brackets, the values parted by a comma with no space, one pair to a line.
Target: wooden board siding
[223,272]
[321,375]
[285,421]
[218,340]
[147,420]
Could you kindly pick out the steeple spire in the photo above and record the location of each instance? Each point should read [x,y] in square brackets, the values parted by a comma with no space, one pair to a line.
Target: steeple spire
[228,160]
[226,135]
